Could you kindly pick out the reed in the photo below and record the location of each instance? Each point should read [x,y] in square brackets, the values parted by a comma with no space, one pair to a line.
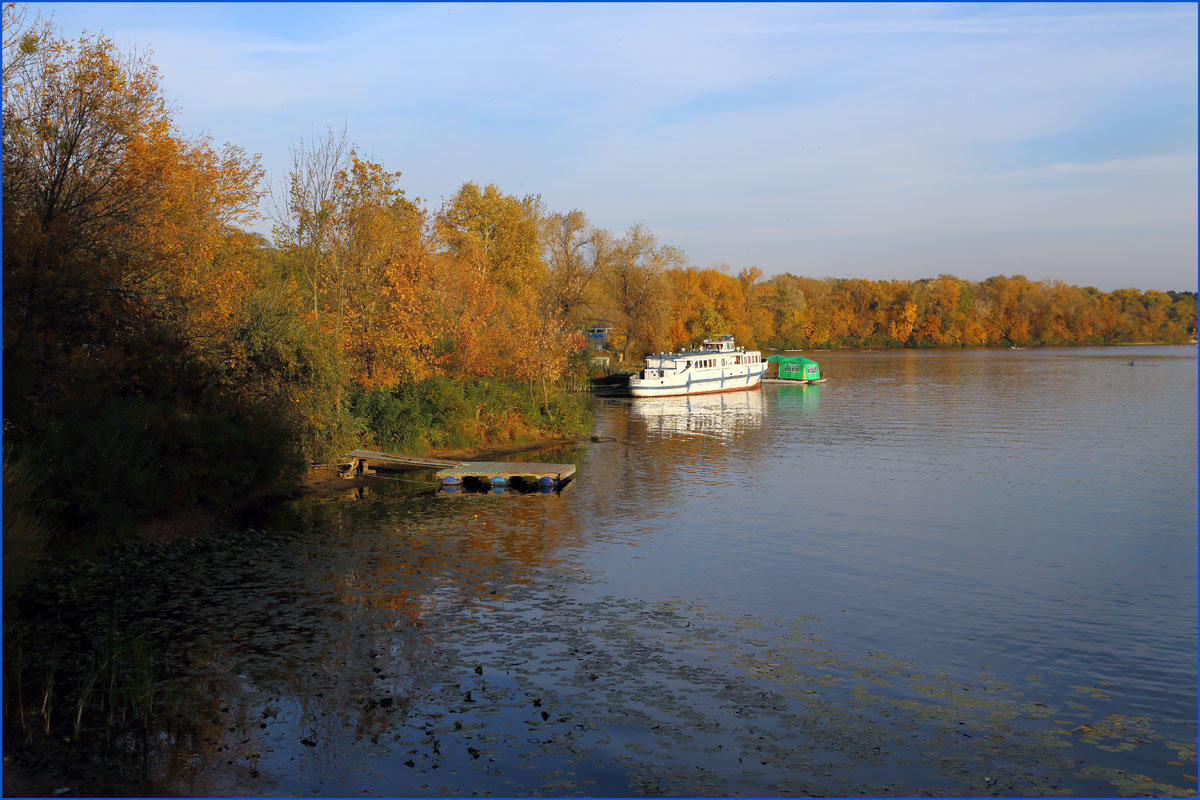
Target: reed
[121,683]
[105,681]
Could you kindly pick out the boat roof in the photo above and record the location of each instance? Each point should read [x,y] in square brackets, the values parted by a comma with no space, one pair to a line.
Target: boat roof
[687,353]
[778,359]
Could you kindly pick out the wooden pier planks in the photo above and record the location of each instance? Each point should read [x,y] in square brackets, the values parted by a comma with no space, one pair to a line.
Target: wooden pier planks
[359,462]
[372,455]
[487,470]
[482,470]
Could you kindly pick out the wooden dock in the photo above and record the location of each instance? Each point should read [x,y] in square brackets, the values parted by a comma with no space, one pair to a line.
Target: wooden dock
[454,472]
[360,460]
[501,472]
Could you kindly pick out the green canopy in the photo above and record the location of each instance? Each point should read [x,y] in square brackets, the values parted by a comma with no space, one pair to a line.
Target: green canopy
[778,359]
[796,368]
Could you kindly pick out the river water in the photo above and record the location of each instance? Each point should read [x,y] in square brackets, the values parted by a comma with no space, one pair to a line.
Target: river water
[940,572]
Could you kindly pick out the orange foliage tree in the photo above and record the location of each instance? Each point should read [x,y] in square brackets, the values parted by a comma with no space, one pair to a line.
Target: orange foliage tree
[117,228]
[379,276]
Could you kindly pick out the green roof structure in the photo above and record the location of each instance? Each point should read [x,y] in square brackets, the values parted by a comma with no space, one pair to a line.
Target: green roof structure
[796,368]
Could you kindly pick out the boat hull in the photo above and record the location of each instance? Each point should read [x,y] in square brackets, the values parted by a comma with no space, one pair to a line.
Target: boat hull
[715,384]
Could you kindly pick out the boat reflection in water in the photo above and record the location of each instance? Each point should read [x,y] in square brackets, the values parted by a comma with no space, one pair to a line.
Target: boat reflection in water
[799,400]
[720,416]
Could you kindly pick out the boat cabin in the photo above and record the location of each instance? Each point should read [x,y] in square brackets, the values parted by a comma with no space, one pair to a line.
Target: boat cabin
[796,368]
[722,343]
[718,352]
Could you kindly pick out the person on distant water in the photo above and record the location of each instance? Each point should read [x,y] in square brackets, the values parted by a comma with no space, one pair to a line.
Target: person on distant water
[1131,363]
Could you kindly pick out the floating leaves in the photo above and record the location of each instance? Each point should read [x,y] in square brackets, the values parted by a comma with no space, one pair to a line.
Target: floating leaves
[374,646]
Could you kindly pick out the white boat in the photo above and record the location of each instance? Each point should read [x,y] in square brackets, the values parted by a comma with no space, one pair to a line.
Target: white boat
[719,367]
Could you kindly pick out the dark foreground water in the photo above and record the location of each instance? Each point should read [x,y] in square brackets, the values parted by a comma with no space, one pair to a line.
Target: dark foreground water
[957,573]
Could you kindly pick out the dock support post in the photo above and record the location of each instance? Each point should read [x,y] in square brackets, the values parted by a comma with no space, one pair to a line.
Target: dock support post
[358,466]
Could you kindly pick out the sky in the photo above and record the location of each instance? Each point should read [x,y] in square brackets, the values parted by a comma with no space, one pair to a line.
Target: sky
[882,141]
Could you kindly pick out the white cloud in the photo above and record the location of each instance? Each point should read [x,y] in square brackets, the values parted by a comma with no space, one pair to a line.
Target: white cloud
[871,136]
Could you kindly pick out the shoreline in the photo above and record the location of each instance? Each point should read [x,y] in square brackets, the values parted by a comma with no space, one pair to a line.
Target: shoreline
[45,768]
[322,478]
[200,521]
[857,348]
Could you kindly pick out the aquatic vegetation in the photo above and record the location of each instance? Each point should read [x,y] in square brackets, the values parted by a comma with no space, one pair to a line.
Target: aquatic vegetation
[428,644]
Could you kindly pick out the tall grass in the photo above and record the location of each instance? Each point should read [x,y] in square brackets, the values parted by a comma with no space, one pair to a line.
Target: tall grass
[119,684]
[101,677]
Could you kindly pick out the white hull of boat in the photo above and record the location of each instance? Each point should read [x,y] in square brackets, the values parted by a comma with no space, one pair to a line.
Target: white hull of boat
[706,381]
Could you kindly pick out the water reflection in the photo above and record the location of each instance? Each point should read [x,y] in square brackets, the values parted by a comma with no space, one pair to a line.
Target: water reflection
[722,416]
[802,400]
[345,643]
[674,626]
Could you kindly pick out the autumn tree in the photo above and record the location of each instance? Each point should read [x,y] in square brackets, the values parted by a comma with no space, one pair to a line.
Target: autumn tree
[117,228]
[303,211]
[379,276]
[757,315]
[633,280]
[498,233]
[489,257]
[27,40]
[127,274]
[575,252]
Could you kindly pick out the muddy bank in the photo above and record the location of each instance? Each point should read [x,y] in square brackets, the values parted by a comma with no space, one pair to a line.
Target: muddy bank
[320,479]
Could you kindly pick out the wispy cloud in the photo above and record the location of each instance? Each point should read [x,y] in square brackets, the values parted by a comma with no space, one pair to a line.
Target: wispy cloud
[882,19]
[867,138]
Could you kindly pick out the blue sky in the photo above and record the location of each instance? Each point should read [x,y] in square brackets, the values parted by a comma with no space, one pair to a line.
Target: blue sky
[1057,141]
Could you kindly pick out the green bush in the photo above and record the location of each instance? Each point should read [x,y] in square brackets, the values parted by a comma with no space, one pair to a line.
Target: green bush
[439,414]
[119,460]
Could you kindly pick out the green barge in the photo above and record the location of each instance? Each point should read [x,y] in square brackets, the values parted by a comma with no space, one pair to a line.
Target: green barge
[796,369]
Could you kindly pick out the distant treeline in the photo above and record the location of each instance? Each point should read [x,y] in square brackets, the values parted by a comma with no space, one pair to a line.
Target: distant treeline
[790,312]
[158,353]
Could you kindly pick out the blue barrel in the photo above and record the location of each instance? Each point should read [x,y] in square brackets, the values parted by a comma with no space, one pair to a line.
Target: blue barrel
[452,480]
[499,480]
[545,480]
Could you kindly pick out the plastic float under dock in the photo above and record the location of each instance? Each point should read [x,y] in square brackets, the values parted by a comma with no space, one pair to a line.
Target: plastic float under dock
[504,471]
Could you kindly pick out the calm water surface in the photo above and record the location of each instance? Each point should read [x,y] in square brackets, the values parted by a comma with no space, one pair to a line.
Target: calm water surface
[960,573]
